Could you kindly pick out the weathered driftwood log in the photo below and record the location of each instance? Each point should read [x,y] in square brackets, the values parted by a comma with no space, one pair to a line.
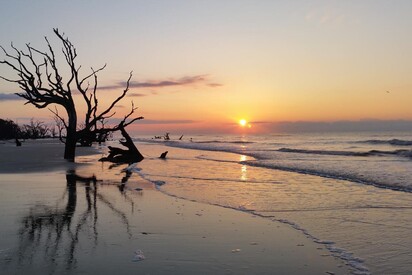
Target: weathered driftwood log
[119,155]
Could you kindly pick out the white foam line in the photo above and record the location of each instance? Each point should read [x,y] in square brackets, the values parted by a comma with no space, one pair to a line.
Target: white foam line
[354,262]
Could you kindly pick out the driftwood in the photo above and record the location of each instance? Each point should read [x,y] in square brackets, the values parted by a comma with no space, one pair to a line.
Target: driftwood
[119,155]
[163,155]
[18,142]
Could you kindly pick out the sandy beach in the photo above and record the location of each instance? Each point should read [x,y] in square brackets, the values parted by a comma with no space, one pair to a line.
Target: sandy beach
[54,225]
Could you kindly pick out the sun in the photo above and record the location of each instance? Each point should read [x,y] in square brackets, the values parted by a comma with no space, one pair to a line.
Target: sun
[243,122]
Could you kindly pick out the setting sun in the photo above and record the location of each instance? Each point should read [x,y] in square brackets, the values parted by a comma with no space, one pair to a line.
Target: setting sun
[242,122]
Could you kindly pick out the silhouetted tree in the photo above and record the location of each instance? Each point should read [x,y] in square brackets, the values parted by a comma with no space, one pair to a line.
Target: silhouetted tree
[8,129]
[41,81]
[35,129]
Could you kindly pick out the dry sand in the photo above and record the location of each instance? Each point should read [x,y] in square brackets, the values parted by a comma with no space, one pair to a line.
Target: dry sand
[50,227]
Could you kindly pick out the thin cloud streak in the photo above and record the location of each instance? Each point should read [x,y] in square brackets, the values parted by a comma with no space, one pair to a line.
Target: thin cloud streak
[325,16]
[136,95]
[10,97]
[214,85]
[183,81]
[119,106]
[158,122]
[175,121]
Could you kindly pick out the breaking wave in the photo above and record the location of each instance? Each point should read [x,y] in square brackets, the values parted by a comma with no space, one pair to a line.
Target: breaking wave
[396,142]
[402,153]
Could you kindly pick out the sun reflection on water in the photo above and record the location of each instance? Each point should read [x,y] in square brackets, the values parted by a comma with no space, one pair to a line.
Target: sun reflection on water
[243,169]
[243,176]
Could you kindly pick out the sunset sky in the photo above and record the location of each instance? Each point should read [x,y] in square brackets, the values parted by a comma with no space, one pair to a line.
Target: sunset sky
[201,66]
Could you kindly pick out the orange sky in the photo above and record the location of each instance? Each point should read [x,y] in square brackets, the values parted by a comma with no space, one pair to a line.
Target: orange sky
[203,65]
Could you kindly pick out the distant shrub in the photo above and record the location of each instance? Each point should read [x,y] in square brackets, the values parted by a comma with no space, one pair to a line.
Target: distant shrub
[8,129]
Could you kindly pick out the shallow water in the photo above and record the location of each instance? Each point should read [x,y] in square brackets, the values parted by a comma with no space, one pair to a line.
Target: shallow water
[358,157]
[365,226]
[322,196]
[51,224]
[64,222]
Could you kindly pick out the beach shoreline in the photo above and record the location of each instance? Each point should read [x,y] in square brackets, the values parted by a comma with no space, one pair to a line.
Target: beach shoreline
[113,224]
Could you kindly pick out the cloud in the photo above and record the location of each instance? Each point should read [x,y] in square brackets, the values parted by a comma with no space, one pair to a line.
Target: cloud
[187,80]
[324,16]
[119,106]
[157,122]
[340,126]
[214,85]
[10,97]
[172,121]
[136,95]
[172,82]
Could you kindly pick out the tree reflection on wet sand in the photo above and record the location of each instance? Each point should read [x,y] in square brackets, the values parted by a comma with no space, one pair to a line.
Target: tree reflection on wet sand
[53,232]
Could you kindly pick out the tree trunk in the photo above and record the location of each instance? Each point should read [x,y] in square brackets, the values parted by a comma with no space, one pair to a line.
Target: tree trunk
[71,136]
[72,195]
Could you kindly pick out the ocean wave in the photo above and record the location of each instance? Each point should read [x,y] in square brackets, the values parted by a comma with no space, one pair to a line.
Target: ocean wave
[323,152]
[205,146]
[332,174]
[402,152]
[225,147]
[267,158]
[397,142]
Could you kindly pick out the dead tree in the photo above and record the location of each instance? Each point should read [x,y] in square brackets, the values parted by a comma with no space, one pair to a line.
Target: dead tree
[42,84]
[119,155]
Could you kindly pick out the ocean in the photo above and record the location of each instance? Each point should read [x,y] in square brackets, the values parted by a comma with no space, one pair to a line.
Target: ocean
[350,192]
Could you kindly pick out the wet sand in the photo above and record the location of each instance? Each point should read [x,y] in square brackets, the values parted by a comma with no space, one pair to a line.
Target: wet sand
[54,224]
